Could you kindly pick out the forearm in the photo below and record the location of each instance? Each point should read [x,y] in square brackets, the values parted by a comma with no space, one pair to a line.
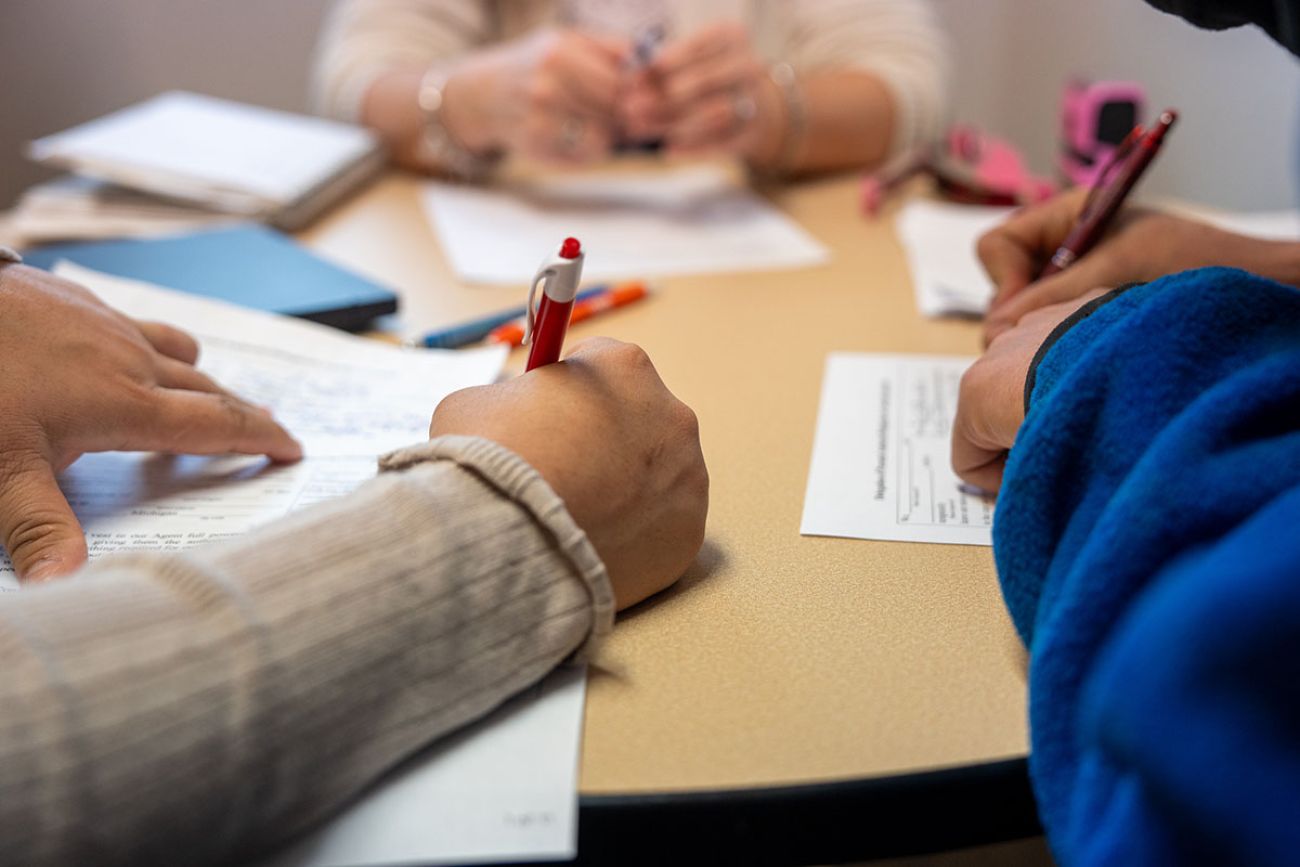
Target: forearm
[828,120]
[391,108]
[1276,260]
[235,694]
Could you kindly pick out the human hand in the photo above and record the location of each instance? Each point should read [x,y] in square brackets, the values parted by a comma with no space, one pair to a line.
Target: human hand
[76,376]
[706,93]
[615,444]
[1142,245]
[991,401]
[551,96]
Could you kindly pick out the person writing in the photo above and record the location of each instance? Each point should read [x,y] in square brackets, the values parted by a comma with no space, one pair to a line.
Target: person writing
[1144,443]
[217,701]
[787,87]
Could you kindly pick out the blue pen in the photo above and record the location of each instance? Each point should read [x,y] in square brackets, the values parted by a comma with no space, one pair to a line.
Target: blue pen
[472,332]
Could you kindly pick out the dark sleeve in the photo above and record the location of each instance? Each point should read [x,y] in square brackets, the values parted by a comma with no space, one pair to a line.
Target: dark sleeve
[1148,544]
[1277,18]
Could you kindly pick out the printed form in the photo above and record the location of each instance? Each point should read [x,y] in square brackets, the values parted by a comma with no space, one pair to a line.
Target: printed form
[880,465]
[504,789]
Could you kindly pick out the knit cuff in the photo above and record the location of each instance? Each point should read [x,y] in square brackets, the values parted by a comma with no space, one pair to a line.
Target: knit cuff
[516,480]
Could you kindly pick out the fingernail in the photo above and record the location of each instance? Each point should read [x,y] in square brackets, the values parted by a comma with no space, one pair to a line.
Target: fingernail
[43,570]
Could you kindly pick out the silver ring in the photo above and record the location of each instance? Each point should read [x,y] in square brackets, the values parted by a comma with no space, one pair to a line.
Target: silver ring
[571,133]
[744,107]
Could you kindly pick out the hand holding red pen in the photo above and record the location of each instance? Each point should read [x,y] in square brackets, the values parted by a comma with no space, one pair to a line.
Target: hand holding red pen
[1142,245]
[1111,246]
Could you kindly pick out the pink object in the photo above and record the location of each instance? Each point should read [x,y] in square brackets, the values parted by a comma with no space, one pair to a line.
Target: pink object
[1096,117]
[992,166]
[970,166]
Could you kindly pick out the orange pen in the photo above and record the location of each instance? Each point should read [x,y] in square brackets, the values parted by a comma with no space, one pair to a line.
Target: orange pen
[512,333]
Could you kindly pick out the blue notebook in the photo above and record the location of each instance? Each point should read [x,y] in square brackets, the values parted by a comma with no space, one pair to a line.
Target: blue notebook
[247,264]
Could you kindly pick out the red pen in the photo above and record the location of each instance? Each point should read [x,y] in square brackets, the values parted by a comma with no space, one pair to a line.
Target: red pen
[1112,188]
[558,277]
[512,333]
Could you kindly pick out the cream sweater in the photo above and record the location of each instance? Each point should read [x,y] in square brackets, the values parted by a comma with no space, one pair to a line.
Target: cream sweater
[897,40]
[203,706]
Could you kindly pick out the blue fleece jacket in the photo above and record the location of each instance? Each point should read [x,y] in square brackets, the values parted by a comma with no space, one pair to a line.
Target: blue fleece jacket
[1148,543]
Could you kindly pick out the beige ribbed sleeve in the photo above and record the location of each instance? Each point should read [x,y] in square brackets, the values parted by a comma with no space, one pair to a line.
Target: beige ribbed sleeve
[195,707]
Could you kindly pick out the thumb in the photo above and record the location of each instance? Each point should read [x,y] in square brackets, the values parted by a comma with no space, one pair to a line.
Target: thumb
[39,530]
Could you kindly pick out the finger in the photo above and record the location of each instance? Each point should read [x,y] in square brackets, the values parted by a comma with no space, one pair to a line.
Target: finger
[645,113]
[1089,273]
[983,470]
[194,422]
[592,346]
[613,49]
[177,374]
[40,532]
[725,73]
[710,121]
[708,43]
[591,81]
[1014,253]
[171,342]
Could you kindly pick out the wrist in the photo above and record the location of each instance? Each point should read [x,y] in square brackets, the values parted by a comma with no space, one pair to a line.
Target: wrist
[778,146]
[771,119]
[1276,260]
[464,114]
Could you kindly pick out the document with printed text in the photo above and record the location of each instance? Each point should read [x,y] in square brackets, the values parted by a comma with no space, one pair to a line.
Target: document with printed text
[504,789]
[880,464]
[633,225]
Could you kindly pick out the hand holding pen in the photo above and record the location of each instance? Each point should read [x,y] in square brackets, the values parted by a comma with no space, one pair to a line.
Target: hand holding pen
[1054,252]
[548,316]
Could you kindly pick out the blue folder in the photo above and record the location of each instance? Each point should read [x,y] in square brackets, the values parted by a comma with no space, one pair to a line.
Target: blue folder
[246,264]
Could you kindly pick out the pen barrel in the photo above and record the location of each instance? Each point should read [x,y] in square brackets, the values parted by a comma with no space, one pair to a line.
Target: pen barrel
[548,335]
[1084,236]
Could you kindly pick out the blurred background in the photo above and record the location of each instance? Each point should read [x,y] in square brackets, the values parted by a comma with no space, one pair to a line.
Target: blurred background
[67,61]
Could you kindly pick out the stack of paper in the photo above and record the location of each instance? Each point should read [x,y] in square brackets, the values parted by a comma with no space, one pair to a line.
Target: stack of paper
[218,156]
[502,790]
[632,225]
[86,209]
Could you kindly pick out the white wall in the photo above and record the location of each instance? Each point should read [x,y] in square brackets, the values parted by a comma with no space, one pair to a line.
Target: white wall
[1238,92]
[65,61]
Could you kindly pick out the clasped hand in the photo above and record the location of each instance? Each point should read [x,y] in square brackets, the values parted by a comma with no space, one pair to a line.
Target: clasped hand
[565,96]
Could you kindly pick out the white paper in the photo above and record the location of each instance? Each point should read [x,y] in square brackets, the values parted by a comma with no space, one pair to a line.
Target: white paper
[502,790]
[632,225]
[72,207]
[242,158]
[345,398]
[881,466]
[939,241]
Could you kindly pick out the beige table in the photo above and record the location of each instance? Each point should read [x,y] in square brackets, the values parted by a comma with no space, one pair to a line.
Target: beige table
[778,660]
